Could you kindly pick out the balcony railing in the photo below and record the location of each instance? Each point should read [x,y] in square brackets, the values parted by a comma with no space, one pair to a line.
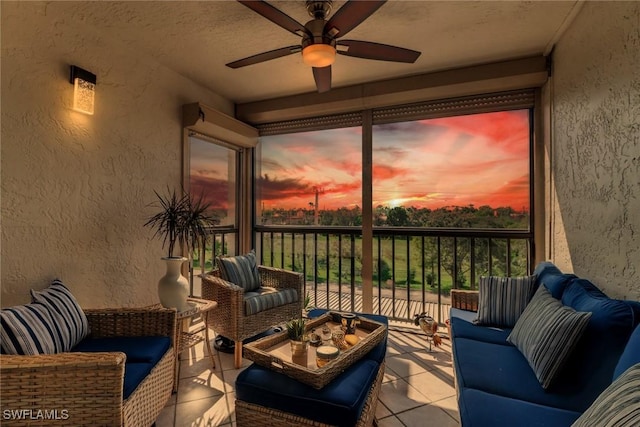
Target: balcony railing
[414,269]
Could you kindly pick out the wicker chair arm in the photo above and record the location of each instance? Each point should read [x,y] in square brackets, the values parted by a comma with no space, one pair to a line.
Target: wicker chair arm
[464,299]
[280,279]
[224,318]
[213,280]
[83,388]
[132,322]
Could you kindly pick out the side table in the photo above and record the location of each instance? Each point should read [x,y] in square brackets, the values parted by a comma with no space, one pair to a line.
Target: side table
[187,338]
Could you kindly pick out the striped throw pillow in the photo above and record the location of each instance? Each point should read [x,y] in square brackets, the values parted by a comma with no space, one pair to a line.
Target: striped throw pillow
[618,405]
[501,300]
[546,334]
[65,311]
[29,329]
[241,270]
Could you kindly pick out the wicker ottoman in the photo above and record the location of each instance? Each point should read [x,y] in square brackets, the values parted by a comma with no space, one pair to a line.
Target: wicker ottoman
[268,398]
[317,406]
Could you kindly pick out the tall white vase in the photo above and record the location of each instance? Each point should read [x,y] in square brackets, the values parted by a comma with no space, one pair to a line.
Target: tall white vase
[173,288]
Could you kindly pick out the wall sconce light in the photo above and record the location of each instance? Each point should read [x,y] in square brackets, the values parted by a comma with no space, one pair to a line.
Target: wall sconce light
[84,89]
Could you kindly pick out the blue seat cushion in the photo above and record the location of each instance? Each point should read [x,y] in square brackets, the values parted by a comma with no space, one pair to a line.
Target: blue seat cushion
[461,328]
[379,352]
[482,409]
[338,403]
[138,349]
[603,341]
[503,370]
[134,373]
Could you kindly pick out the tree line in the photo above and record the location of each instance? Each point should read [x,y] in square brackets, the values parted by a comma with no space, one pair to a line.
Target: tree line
[449,217]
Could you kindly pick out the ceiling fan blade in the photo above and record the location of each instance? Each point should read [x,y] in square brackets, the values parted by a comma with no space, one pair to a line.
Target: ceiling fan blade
[322,76]
[350,15]
[381,52]
[276,16]
[265,56]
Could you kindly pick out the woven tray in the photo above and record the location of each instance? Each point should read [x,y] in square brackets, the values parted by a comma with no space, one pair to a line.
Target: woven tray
[274,352]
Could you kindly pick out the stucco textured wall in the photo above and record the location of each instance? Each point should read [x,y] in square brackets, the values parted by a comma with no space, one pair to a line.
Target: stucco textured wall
[596,147]
[76,188]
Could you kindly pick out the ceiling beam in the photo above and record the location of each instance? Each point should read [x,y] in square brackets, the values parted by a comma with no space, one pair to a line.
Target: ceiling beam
[514,74]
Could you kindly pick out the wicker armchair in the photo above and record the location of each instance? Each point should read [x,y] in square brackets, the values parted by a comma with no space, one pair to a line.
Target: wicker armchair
[229,318]
[86,389]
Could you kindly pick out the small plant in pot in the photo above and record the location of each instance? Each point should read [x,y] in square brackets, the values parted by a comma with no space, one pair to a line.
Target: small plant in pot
[182,221]
[295,329]
[298,340]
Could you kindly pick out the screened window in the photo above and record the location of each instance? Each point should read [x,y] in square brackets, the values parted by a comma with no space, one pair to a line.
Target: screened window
[310,178]
[415,200]
[212,174]
[469,171]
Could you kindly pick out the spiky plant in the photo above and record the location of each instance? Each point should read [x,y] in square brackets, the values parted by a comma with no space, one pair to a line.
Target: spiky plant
[182,220]
[295,329]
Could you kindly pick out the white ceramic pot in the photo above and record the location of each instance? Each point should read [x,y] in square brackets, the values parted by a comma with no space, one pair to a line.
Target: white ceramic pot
[173,288]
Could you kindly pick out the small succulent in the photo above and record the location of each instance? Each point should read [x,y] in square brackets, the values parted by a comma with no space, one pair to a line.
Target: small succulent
[295,329]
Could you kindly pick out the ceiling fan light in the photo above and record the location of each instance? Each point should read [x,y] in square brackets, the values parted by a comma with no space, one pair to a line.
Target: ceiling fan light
[319,55]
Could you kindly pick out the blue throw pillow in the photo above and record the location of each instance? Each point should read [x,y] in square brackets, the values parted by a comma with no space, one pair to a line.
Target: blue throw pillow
[550,276]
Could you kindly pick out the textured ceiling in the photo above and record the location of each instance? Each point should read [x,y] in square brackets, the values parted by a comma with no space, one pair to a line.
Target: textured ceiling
[196,38]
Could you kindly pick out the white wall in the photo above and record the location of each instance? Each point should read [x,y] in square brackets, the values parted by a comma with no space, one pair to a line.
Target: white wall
[75,188]
[595,211]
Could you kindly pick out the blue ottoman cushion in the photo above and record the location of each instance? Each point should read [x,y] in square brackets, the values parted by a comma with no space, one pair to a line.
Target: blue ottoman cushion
[338,403]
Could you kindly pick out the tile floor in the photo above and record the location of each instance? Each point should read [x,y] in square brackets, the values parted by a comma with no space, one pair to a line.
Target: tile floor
[418,387]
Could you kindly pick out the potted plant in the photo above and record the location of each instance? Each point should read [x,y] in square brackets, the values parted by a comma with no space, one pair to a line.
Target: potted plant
[298,340]
[181,223]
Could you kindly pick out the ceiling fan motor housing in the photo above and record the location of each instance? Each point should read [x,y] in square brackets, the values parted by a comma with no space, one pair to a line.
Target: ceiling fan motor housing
[319,9]
[316,34]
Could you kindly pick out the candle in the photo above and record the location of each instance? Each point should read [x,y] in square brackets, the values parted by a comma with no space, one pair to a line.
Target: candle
[326,353]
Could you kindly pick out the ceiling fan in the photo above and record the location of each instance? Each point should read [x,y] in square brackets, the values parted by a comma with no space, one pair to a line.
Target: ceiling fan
[321,38]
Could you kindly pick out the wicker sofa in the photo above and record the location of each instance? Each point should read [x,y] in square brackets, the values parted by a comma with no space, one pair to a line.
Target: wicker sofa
[230,319]
[100,382]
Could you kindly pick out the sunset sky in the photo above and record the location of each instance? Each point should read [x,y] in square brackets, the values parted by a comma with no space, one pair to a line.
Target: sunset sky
[480,159]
